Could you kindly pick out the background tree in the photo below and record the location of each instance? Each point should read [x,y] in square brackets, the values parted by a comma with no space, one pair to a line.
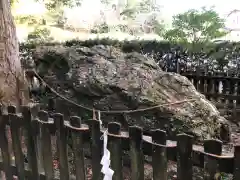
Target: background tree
[150,12]
[132,8]
[196,26]
[53,4]
[195,29]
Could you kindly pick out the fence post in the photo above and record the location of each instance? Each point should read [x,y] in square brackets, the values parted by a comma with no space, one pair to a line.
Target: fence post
[184,157]
[38,144]
[234,113]
[16,142]
[210,163]
[51,108]
[46,145]
[5,147]
[77,143]
[136,153]
[62,145]
[31,149]
[96,144]
[51,105]
[236,172]
[159,155]
[115,148]
[178,66]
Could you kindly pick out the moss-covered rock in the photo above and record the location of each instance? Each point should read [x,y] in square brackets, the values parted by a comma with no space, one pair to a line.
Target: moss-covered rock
[108,79]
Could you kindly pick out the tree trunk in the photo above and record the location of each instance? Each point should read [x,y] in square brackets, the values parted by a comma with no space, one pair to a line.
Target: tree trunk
[13,87]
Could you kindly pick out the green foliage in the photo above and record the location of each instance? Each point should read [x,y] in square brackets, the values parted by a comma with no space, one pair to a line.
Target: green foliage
[56,16]
[102,28]
[158,27]
[13,2]
[106,1]
[143,6]
[55,13]
[138,45]
[132,9]
[53,4]
[196,26]
[29,19]
[122,28]
[126,46]
[39,34]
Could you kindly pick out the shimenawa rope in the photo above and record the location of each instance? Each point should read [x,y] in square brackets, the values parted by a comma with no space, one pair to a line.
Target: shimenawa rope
[114,111]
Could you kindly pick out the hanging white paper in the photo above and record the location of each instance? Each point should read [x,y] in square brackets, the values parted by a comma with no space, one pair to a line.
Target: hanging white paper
[99,117]
[106,170]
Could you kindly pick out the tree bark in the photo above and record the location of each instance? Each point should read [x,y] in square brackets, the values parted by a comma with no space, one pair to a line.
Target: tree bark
[13,87]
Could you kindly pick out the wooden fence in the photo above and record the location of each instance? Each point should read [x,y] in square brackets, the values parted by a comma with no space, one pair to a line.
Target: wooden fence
[221,88]
[134,142]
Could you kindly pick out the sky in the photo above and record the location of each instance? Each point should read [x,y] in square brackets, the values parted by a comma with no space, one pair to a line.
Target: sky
[176,6]
[172,7]
[169,8]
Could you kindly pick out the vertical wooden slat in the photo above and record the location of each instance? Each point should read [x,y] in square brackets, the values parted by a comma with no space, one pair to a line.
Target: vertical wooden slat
[51,108]
[51,105]
[201,85]
[238,91]
[224,91]
[94,126]
[234,113]
[205,79]
[214,87]
[77,143]
[115,148]
[227,101]
[209,85]
[178,68]
[37,139]
[211,164]
[38,144]
[16,141]
[5,147]
[34,109]
[159,156]
[217,81]
[184,157]
[62,146]
[136,153]
[212,82]
[31,149]
[236,172]
[196,81]
[232,88]
[46,145]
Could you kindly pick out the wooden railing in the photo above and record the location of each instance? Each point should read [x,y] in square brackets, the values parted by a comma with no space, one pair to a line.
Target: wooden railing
[227,98]
[134,142]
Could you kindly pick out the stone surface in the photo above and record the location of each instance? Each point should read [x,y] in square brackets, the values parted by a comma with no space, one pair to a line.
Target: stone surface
[105,78]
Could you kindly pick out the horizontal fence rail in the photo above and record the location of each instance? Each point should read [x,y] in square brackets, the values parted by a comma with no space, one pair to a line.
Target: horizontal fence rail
[211,159]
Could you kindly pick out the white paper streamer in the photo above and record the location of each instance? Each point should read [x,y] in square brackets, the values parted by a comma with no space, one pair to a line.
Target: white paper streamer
[99,117]
[106,170]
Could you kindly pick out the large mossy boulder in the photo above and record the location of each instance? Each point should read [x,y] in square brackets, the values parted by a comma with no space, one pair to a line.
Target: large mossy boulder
[107,79]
